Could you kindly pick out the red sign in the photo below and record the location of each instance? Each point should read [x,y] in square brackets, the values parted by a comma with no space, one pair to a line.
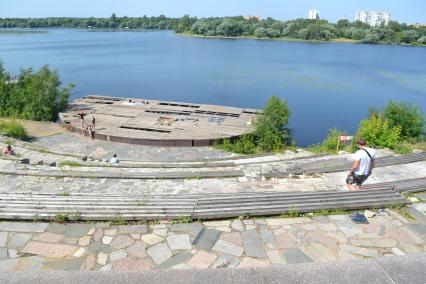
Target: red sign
[345,138]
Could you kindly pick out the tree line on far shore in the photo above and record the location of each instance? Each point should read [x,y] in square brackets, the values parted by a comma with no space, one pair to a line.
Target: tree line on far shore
[302,29]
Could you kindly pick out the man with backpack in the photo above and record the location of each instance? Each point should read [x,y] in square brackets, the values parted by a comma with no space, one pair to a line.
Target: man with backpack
[362,167]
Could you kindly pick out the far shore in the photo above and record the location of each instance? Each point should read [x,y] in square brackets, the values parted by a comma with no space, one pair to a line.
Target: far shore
[289,39]
[340,40]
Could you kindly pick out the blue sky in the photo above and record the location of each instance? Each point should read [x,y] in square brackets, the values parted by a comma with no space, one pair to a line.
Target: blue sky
[408,11]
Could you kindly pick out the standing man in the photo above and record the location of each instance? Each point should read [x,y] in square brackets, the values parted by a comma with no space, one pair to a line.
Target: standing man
[362,167]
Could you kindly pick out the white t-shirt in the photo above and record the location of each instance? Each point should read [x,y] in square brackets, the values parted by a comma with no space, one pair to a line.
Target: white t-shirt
[114,160]
[365,161]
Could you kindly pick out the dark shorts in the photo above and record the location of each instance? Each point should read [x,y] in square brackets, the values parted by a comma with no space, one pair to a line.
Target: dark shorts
[356,179]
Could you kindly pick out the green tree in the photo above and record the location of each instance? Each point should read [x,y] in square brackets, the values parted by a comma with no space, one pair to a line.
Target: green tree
[330,142]
[260,32]
[407,116]
[409,36]
[422,40]
[270,128]
[378,132]
[35,96]
[371,38]
[343,23]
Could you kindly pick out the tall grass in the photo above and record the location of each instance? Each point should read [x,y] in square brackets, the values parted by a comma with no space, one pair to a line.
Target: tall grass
[13,129]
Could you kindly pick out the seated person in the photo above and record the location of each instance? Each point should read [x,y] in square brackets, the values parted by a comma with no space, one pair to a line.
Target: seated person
[114,159]
[8,150]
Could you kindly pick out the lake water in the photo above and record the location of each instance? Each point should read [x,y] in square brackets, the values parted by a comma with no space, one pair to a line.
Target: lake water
[326,84]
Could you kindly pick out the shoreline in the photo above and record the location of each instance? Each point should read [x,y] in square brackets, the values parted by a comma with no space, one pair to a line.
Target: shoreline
[289,39]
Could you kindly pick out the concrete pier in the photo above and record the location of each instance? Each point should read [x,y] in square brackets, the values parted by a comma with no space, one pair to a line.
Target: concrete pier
[160,123]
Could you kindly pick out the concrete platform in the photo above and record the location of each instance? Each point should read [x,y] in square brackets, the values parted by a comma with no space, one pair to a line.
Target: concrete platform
[160,123]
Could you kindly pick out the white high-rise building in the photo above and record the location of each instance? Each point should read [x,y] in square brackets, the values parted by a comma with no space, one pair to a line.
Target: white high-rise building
[313,14]
[373,18]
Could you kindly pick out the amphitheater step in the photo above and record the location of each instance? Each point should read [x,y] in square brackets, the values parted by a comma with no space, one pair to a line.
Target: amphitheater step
[330,166]
[92,207]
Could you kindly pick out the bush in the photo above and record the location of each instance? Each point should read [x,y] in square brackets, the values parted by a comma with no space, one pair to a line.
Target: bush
[330,142]
[260,32]
[243,145]
[378,132]
[371,38]
[270,132]
[13,129]
[408,117]
[422,40]
[270,127]
[35,95]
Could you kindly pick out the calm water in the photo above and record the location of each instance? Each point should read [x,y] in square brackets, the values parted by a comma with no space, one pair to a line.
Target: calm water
[326,85]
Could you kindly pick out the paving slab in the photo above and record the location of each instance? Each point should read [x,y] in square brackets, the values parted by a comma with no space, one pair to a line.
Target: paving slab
[151,239]
[3,239]
[359,250]
[118,254]
[266,235]
[202,260]
[130,265]
[206,239]
[138,249]
[99,247]
[295,256]
[74,264]
[49,250]
[3,253]
[179,242]
[31,263]
[321,219]
[8,265]
[228,248]
[159,253]
[253,244]
[122,241]
[48,237]
[23,227]
[226,261]
[70,230]
[181,257]
[17,240]
[132,229]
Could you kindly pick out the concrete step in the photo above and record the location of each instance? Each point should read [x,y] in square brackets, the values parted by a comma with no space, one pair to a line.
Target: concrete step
[43,206]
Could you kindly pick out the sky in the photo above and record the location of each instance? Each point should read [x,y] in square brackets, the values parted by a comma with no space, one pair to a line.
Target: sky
[408,11]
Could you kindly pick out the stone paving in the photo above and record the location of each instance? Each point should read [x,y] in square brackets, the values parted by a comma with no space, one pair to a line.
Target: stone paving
[213,244]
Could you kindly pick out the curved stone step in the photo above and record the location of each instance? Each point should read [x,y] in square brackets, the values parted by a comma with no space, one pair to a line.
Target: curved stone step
[411,185]
[330,166]
[45,206]
[123,175]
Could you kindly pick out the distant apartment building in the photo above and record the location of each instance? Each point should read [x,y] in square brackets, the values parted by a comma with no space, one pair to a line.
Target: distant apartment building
[313,14]
[373,18]
[417,25]
[253,17]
